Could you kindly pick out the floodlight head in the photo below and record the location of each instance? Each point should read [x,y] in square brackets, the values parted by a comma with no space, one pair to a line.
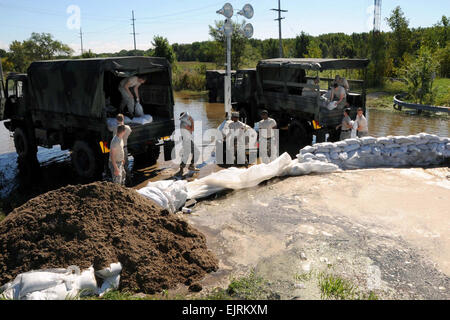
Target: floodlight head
[228,28]
[248,30]
[247,11]
[227,10]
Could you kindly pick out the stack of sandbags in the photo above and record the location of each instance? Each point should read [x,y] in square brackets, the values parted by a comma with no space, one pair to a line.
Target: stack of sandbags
[368,152]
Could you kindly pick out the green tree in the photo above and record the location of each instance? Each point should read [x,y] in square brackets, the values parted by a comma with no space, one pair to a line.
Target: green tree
[400,42]
[270,49]
[88,54]
[313,50]
[301,45]
[162,48]
[420,75]
[238,43]
[40,46]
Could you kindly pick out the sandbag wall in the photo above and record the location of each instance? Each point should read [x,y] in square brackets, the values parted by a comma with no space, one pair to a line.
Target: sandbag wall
[368,152]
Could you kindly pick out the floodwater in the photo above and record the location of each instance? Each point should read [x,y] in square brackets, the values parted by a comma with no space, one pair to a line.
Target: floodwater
[54,169]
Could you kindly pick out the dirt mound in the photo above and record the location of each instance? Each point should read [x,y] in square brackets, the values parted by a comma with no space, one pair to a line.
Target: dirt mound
[99,224]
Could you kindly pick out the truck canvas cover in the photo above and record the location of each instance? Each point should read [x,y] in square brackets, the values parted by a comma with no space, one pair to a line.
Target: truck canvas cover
[75,87]
[315,64]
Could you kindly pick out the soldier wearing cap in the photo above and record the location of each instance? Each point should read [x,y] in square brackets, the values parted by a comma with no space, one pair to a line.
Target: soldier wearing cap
[346,125]
[266,132]
[236,133]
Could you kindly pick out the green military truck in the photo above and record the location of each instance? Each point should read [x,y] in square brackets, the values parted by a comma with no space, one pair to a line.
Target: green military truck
[281,86]
[69,102]
[242,85]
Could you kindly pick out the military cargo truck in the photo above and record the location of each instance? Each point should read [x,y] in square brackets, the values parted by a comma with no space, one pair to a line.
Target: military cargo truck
[281,87]
[68,103]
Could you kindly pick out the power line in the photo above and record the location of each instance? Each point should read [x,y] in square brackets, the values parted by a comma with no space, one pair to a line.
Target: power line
[134,28]
[279,10]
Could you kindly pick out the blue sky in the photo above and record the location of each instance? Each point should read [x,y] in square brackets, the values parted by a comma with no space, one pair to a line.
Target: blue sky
[106,24]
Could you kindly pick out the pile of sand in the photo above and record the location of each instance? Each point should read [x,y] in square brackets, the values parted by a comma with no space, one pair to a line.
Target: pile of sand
[99,224]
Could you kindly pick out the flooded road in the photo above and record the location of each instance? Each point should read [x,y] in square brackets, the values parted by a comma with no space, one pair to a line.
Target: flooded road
[54,169]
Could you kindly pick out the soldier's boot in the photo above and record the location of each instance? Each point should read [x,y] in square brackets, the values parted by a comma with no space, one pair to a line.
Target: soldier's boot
[193,168]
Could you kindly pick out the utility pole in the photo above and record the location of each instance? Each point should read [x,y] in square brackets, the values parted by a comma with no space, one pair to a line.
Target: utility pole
[134,29]
[81,37]
[279,26]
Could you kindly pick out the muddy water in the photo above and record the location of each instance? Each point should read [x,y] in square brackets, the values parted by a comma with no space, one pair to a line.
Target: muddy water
[54,168]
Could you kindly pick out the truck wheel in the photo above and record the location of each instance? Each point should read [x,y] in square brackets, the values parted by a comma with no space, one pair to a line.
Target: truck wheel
[334,135]
[321,137]
[299,136]
[84,160]
[24,146]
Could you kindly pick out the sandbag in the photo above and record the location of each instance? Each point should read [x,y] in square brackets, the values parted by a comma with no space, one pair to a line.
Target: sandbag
[169,194]
[110,277]
[51,284]
[236,178]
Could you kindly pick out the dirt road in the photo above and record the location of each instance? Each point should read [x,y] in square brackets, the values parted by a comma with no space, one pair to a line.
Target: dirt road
[386,231]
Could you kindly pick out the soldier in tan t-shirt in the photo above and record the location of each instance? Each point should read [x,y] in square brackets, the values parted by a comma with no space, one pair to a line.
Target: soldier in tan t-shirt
[117,157]
[121,122]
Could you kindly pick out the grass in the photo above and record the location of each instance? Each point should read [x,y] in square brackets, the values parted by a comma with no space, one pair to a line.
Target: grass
[385,94]
[251,287]
[337,288]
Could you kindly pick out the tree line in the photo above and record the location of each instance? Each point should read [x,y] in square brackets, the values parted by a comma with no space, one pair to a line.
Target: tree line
[391,53]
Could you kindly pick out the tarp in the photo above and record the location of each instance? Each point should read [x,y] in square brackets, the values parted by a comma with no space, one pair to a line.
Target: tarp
[76,86]
[315,64]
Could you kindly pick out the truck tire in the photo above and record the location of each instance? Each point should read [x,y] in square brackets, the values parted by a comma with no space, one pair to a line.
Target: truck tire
[85,160]
[25,147]
[298,135]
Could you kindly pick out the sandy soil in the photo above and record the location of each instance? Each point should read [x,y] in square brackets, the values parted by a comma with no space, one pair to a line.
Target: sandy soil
[386,230]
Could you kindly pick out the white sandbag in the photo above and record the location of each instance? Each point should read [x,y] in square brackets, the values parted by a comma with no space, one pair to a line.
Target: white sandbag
[138,110]
[51,284]
[367,140]
[323,157]
[332,105]
[144,119]
[352,147]
[110,277]
[169,194]
[111,124]
[299,169]
[84,284]
[156,195]
[308,149]
[235,178]
[403,140]
[334,155]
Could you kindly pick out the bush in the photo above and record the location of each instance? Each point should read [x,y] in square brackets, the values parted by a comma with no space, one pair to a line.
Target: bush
[189,80]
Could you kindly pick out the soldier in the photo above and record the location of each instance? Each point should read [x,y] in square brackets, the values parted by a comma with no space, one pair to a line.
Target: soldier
[339,95]
[121,122]
[127,96]
[117,157]
[363,126]
[236,130]
[346,126]
[266,133]
[189,148]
